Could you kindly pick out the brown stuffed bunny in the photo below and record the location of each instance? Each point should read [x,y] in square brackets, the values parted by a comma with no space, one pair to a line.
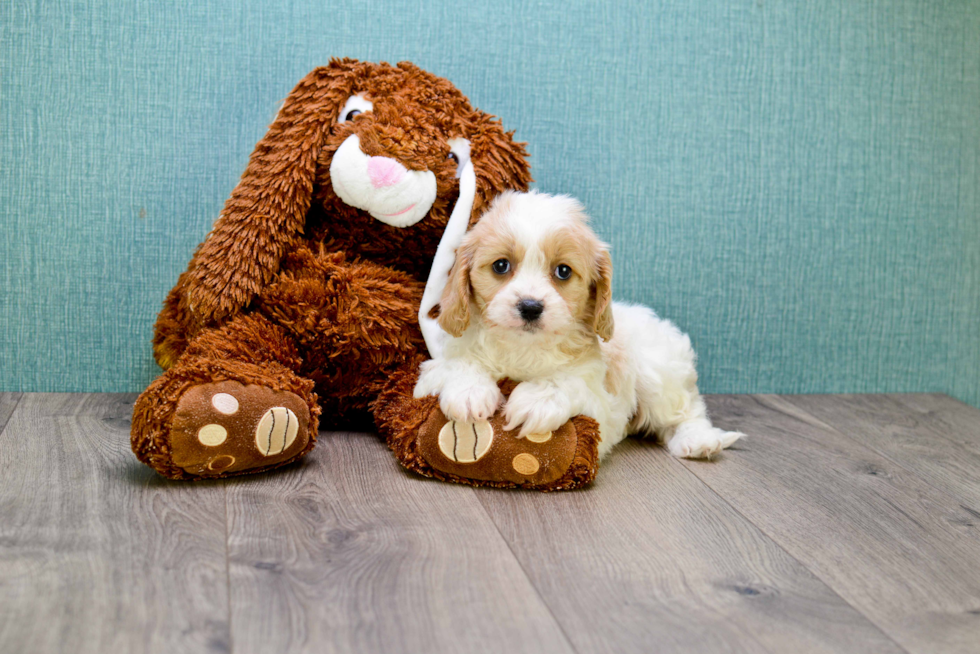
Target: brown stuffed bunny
[304,299]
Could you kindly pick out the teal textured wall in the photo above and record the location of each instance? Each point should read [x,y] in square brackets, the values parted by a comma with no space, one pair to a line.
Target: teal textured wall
[796,184]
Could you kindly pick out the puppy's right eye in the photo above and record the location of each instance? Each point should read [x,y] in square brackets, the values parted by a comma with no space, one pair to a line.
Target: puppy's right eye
[501,266]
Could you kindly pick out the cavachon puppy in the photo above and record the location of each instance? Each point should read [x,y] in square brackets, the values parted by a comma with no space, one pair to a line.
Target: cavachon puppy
[529,299]
[304,299]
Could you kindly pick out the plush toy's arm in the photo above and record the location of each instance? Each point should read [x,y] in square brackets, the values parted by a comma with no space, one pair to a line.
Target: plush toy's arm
[267,210]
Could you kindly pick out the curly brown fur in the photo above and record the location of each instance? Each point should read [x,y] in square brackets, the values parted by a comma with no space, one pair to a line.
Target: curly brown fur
[341,287]
[285,190]
[366,311]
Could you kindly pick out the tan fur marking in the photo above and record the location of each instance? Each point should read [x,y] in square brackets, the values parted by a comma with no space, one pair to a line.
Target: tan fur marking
[454,312]
[489,241]
[575,246]
[603,297]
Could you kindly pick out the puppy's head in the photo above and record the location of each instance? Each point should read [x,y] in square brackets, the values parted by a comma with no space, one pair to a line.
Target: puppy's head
[532,265]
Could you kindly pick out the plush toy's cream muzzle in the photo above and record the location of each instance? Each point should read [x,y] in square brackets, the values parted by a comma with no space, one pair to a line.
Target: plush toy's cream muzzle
[381,186]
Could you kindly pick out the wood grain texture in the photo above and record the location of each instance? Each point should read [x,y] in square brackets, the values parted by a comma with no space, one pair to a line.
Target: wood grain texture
[99,554]
[347,553]
[650,559]
[8,401]
[937,439]
[848,530]
[947,416]
[901,551]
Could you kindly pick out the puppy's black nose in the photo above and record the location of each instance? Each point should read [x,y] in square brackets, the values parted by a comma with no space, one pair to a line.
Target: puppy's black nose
[530,310]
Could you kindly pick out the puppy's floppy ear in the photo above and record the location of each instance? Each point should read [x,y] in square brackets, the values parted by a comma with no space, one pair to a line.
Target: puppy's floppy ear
[267,210]
[603,316]
[454,307]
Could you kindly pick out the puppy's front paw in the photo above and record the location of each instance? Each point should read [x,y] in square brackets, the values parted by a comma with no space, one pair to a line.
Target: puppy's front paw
[470,403]
[430,380]
[695,441]
[538,408]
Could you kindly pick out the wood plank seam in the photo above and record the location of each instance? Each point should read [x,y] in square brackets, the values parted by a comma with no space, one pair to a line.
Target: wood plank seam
[909,405]
[231,631]
[789,554]
[127,565]
[18,397]
[890,458]
[520,565]
[814,422]
[641,548]
[946,395]
[333,556]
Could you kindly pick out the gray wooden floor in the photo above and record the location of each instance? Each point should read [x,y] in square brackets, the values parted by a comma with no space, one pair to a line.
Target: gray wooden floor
[842,523]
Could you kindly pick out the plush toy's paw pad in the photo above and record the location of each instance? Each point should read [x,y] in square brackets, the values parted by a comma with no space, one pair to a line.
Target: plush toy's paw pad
[484,450]
[230,427]
[539,438]
[465,442]
[276,431]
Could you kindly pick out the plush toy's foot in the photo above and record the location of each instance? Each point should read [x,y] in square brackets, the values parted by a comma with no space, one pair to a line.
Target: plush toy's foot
[483,453]
[204,418]
[227,427]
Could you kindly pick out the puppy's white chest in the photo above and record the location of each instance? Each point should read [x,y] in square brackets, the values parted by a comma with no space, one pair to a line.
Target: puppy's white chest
[516,359]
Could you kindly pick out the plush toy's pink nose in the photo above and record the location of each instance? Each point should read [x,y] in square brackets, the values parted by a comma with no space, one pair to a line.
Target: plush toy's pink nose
[384,171]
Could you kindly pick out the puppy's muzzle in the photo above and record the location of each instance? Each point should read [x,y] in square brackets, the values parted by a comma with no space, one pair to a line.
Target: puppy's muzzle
[530,310]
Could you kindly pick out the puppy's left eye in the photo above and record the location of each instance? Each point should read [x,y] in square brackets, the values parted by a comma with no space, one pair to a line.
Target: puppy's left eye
[563,272]
[501,266]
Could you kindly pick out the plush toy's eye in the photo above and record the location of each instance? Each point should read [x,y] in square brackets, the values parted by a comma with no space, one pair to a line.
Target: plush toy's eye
[563,272]
[355,105]
[459,152]
[501,266]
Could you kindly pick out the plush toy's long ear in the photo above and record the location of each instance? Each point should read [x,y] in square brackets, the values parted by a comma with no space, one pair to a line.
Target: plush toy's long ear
[454,307]
[500,162]
[267,210]
[445,258]
[603,297]
[495,163]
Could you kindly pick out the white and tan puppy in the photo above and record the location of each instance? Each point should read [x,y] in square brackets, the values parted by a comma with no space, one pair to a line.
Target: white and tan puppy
[529,298]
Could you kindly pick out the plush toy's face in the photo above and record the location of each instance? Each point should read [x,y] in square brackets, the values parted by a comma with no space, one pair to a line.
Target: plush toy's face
[381,184]
[389,167]
[363,158]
